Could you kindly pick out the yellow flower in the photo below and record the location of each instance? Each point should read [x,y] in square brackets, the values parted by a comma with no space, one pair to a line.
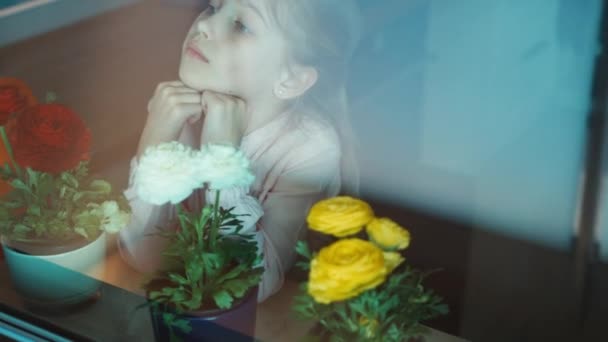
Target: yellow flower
[387,234]
[339,216]
[347,268]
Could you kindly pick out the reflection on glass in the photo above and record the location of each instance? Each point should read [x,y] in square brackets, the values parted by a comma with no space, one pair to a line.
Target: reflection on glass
[472,122]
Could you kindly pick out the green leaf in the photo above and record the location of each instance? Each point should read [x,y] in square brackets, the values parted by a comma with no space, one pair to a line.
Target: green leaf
[32,176]
[199,226]
[77,196]
[358,307]
[4,214]
[21,229]
[33,209]
[222,299]
[100,186]
[156,295]
[303,250]
[194,271]
[238,287]
[62,191]
[169,318]
[51,97]
[18,184]
[212,261]
[81,231]
[69,179]
[178,279]
[178,295]
[233,273]
[183,325]
[13,204]
[45,185]
[303,265]
[394,333]
[196,301]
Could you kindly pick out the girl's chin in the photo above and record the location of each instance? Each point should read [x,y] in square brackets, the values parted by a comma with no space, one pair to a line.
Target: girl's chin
[197,81]
[190,81]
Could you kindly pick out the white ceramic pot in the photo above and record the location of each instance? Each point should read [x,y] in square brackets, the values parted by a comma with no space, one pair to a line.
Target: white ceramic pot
[58,279]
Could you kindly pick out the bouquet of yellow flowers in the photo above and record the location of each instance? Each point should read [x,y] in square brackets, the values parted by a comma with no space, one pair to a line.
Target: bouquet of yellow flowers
[359,287]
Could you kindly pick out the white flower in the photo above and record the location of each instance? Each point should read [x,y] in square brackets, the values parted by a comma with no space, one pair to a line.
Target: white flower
[224,167]
[168,172]
[106,216]
[113,219]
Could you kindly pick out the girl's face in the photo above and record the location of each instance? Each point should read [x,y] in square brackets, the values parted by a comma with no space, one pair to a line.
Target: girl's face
[233,48]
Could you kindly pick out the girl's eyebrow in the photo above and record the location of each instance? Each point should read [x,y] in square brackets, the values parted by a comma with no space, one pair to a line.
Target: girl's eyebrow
[248,4]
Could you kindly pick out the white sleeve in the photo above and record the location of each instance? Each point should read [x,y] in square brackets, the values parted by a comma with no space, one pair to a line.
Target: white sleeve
[285,211]
[137,243]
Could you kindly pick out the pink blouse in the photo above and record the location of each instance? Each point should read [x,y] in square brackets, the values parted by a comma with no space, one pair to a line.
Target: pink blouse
[295,164]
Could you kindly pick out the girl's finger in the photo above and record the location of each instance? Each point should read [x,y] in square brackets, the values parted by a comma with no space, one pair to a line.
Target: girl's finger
[234,101]
[233,104]
[163,85]
[186,90]
[176,87]
[211,101]
[186,111]
[240,104]
[178,98]
[168,92]
[195,118]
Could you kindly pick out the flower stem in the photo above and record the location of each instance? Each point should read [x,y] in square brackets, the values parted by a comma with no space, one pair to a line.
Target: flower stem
[215,225]
[9,151]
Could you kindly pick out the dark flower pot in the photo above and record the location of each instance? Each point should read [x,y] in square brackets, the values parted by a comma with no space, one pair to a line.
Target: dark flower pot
[319,334]
[234,324]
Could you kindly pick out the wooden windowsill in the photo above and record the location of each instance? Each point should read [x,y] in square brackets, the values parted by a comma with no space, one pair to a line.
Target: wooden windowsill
[275,319]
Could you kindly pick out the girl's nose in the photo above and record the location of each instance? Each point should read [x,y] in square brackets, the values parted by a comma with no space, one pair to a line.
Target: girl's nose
[204,29]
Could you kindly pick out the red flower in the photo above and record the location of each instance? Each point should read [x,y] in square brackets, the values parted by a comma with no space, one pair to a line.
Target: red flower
[15,96]
[49,138]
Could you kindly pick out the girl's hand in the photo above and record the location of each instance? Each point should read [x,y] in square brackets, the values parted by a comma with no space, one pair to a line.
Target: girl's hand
[225,119]
[172,104]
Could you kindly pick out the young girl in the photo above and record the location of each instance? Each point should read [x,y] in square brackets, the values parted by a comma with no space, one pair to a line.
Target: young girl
[268,77]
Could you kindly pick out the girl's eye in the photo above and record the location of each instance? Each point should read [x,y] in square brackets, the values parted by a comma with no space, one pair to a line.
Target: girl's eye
[211,10]
[240,27]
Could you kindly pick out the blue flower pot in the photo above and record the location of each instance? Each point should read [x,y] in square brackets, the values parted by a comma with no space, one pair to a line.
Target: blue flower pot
[234,324]
[59,279]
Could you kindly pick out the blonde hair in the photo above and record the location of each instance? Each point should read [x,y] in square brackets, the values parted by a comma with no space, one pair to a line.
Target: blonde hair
[324,34]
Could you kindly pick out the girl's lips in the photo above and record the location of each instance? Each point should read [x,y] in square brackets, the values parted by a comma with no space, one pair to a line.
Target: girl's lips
[196,53]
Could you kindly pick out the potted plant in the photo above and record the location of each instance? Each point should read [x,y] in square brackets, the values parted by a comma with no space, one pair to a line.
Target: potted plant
[359,288]
[212,266]
[53,217]
[14,97]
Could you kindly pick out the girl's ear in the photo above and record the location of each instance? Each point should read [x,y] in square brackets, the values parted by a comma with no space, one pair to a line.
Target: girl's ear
[295,81]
